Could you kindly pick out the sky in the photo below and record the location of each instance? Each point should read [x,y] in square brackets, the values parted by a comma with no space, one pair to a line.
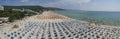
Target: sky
[89,5]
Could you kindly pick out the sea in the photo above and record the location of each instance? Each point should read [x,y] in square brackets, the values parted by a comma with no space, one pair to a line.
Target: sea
[99,17]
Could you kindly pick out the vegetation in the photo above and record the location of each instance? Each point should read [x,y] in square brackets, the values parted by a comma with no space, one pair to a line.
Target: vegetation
[15,26]
[35,8]
[14,15]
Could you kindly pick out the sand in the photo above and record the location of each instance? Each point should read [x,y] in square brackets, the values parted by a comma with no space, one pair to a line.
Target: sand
[51,25]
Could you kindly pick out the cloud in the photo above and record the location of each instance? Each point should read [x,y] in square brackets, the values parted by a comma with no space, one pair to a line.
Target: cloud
[25,0]
[79,1]
[58,3]
[67,3]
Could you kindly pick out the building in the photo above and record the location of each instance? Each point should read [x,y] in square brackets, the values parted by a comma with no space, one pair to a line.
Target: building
[1,7]
[21,10]
[4,19]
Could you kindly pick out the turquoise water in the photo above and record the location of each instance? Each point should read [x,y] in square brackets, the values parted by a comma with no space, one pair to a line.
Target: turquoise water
[106,18]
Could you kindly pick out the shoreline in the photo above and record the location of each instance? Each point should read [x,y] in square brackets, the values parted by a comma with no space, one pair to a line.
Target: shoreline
[58,24]
[102,19]
[94,24]
[89,23]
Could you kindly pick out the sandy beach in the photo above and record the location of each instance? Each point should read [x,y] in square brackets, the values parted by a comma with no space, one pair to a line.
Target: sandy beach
[50,25]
